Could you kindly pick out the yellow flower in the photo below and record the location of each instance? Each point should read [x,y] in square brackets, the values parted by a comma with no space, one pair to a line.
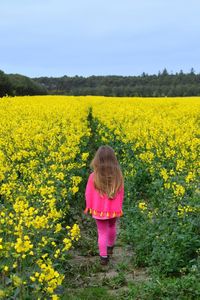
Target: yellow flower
[17,281]
[2,294]
[167,185]
[75,232]
[179,190]
[190,177]
[37,274]
[74,189]
[67,243]
[55,297]
[23,245]
[180,164]
[32,278]
[58,227]
[163,173]
[85,155]
[142,205]
[6,268]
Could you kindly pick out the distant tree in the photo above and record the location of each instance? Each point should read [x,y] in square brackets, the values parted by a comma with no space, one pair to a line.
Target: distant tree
[164,72]
[5,85]
[192,72]
[144,74]
[181,72]
[22,85]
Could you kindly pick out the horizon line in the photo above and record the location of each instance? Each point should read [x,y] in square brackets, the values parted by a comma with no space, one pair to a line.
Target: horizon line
[192,70]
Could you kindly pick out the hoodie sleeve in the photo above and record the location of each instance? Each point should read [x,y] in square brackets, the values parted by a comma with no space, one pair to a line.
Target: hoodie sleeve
[122,195]
[88,193]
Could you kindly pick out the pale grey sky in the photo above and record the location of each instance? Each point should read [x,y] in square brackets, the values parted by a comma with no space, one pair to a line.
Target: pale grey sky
[99,37]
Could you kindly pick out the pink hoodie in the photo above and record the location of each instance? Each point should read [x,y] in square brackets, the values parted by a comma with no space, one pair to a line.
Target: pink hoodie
[101,207]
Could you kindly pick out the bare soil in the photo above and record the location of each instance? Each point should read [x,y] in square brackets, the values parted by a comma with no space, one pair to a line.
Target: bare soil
[116,276]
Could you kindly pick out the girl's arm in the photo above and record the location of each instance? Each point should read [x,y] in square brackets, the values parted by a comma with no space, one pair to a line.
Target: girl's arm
[122,195]
[88,193]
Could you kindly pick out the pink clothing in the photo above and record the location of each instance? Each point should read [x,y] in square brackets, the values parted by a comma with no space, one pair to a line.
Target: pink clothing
[101,207]
[106,234]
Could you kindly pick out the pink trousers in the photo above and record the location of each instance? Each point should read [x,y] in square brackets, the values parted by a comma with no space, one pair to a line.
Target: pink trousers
[106,234]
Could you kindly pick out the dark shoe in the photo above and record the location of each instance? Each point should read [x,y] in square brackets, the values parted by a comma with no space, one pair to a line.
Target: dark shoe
[110,250]
[104,260]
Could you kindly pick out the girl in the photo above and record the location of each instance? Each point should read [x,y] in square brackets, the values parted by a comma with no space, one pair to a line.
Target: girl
[104,197]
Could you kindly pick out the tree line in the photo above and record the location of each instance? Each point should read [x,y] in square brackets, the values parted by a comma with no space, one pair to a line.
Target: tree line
[161,85]
[19,85]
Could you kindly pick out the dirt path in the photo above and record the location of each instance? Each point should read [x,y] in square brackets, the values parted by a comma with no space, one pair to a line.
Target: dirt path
[86,271]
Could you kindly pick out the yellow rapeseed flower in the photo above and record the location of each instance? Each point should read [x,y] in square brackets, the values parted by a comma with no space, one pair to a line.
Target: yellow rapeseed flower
[142,205]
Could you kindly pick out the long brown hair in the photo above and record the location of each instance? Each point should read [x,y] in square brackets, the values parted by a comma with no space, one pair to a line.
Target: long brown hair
[108,176]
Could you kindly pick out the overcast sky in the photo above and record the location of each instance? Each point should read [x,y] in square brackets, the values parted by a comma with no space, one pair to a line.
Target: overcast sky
[99,37]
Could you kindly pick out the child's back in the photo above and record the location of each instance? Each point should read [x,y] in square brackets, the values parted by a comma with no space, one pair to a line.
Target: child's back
[107,179]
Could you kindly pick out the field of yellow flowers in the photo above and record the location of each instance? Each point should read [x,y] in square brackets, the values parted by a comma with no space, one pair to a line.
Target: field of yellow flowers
[45,149]
[40,141]
[158,142]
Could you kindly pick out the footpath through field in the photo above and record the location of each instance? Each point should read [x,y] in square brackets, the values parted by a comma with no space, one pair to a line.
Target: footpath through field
[86,278]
